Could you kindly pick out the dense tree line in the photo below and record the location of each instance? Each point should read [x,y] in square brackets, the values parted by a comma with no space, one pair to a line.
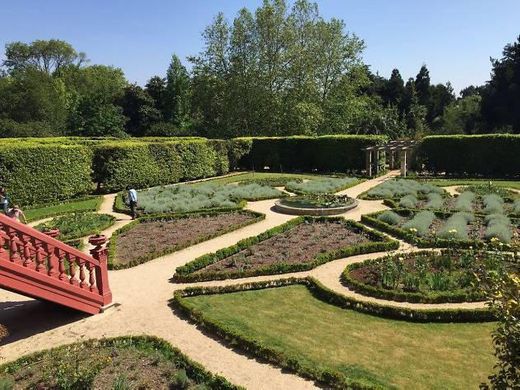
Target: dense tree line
[274,71]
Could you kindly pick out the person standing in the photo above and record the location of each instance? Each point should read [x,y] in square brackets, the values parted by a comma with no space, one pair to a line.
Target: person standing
[4,200]
[17,214]
[132,201]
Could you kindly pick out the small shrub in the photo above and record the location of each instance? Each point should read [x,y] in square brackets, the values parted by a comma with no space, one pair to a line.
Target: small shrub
[408,202]
[401,187]
[420,223]
[464,201]
[180,380]
[456,226]
[493,204]
[390,217]
[435,201]
[516,207]
[498,226]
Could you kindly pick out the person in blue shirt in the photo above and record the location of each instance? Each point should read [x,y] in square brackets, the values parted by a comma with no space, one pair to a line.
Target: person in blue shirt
[132,201]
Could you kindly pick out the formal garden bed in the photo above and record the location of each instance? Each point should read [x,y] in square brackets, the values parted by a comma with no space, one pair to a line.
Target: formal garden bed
[440,229]
[295,323]
[398,188]
[154,236]
[315,204]
[196,197]
[325,185]
[298,245]
[427,277]
[118,363]
[75,226]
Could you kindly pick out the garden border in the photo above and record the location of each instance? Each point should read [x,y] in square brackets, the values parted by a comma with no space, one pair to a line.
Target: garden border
[324,294]
[170,352]
[372,221]
[459,296]
[112,246]
[185,273]
[71,200]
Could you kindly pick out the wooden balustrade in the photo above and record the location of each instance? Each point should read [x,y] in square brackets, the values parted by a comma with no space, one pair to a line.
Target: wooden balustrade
[34,263]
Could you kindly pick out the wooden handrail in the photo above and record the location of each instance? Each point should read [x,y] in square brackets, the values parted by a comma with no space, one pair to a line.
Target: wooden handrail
[27,230]
[34,259]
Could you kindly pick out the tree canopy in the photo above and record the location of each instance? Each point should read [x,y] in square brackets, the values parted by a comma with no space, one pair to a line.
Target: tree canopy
[277,70]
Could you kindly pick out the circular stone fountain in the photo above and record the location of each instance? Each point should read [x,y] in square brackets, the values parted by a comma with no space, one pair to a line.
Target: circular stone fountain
[316,204]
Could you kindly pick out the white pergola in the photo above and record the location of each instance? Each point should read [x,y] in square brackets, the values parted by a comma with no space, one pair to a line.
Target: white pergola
[395,151]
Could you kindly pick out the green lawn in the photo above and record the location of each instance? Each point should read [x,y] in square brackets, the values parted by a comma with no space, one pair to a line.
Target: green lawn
[290,321]
[73,206]
[460,182]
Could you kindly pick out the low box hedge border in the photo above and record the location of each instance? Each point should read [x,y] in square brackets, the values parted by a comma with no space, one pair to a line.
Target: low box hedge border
[372,221]
[319,291]
[186,274]
[457,296]
[112,247]
[193,370]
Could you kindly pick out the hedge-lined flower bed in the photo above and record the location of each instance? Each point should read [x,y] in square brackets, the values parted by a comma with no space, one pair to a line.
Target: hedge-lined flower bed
[424,277]
[441,230]
[76,225]
[367,241]
[114,363]
[252,217]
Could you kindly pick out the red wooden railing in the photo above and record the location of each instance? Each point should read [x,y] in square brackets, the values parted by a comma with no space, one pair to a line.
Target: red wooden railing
[39,266]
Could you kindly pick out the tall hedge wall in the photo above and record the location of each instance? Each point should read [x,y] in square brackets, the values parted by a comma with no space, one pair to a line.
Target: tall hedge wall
[490,154]
[40,173]
[335,153]
[146,164]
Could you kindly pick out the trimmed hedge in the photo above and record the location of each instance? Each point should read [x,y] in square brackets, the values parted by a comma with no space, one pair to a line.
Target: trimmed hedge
[186,273]
[319,291]
[143,164]
[112,247]
[39,172]
[331,153]
[488,155]
[193,370]
[404,296]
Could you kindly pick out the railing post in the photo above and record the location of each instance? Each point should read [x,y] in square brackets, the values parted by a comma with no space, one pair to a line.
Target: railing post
[100,253]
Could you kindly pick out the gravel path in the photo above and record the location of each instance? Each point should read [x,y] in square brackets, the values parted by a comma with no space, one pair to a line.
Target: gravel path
[143,292]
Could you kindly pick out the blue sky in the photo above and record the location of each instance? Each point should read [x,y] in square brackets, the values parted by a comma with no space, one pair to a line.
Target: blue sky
[454,38]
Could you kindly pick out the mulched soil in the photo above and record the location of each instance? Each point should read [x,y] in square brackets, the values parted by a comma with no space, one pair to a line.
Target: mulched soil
[300,244]
[158,236]
[125,368]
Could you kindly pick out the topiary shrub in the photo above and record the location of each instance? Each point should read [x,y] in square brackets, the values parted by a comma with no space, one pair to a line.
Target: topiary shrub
[389,217]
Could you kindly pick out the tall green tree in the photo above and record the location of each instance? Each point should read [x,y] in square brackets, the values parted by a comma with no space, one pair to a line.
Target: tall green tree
[422,86]
[139,109]
[177,93]
[46,56]
[501,96]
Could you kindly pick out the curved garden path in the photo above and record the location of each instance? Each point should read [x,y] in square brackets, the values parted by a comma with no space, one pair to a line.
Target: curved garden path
[143,294]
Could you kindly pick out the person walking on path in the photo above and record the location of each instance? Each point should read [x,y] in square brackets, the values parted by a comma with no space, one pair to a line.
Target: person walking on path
[132,201]
[4,200]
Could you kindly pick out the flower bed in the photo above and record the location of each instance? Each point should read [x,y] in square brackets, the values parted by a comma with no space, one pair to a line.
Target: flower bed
[428,229]
[327,185]
[298,245]
[425,277]
[149,237]
[119,363]
[76,225]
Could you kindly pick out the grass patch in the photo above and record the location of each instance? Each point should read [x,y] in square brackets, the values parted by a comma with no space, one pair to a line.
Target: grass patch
[275,179]
[315,337]
[77,225]
[72,206]
[119,363]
